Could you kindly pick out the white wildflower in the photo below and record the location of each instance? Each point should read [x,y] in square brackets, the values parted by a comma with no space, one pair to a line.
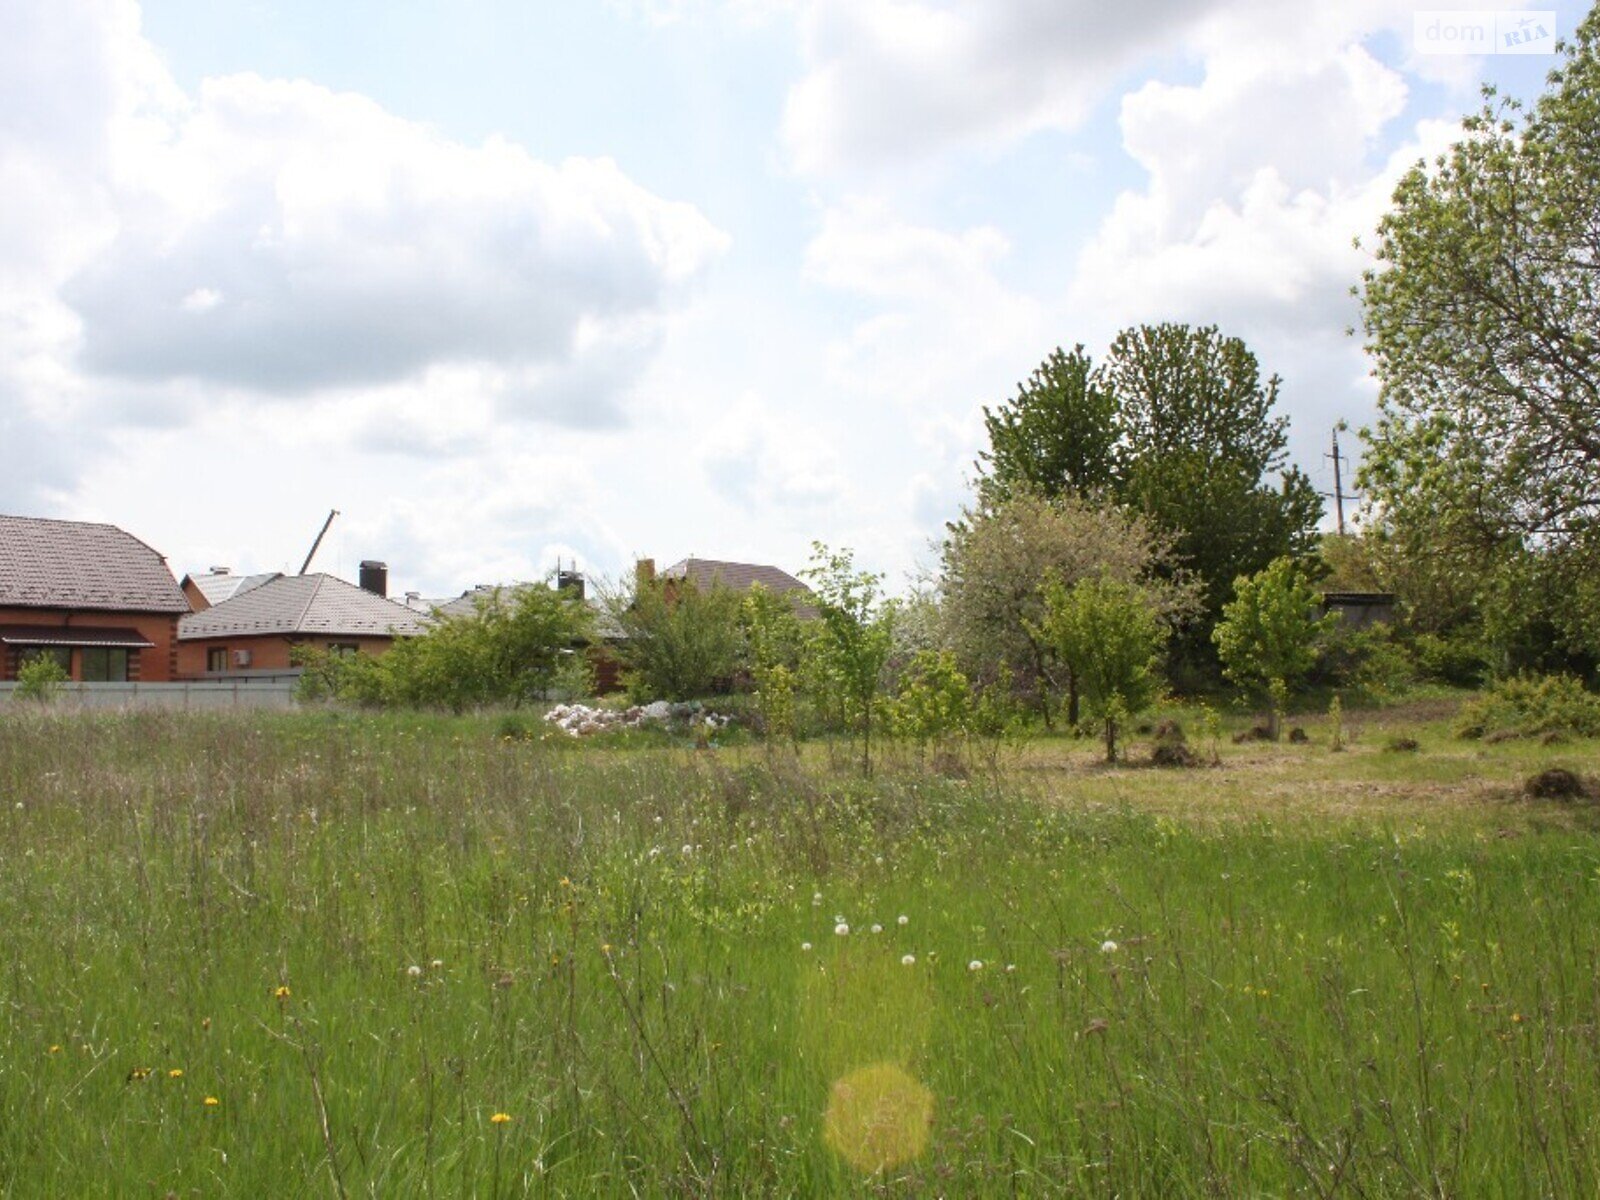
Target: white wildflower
[877,928]
[805,947]
[904,920]
[414,971]
[842,929]
[1108,947]
[908,960]
[975,965]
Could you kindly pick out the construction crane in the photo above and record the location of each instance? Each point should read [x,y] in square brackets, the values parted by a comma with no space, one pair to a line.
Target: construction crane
[306,566]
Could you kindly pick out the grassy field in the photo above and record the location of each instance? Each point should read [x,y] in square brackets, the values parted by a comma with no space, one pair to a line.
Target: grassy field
[327,954]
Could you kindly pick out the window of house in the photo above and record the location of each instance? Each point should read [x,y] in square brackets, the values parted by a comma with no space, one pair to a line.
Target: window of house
[217,658]
[105,664]
[62,655]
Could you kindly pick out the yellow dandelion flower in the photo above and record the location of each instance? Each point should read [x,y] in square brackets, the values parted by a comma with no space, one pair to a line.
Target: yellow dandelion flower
[500,1119]
[281,992]
[175,1073]
[1516,1018]
[605,947]
[212,1102]
[55,1049]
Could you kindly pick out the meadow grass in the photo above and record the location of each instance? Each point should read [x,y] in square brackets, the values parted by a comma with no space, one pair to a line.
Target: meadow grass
[320,953]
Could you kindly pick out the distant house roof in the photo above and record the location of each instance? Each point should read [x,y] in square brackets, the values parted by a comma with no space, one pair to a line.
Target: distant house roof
[297,605]
[76,564]
[706,573]
[466,605]
[217,586]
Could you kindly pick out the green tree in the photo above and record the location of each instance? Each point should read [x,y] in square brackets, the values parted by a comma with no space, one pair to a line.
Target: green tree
[1268,632]
[681,641]
[1058,437]
[997,561]
[935,699]
[1206,457]
[1110,633]
[519,645]
[851,640]
[774,644]
[1177,423]
[1483,320]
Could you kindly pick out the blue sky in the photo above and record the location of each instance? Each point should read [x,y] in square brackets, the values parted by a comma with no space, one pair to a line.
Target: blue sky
[509,281]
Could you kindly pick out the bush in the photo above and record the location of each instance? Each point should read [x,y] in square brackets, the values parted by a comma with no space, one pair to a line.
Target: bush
[1529,706]
[1367,661]
[39,679]
[1456,659]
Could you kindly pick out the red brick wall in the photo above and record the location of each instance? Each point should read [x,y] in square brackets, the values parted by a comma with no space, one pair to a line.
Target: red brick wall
[267,653]
[155,665]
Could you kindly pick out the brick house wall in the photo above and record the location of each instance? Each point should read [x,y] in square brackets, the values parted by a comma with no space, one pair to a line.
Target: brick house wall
[268,652]
[157,664]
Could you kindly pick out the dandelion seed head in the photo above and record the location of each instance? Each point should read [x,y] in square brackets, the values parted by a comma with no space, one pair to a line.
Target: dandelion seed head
[1108,947]
[975,965]
[805,947]
[908,960]
[842,929]
[902,919]
[876,928]
[414,971]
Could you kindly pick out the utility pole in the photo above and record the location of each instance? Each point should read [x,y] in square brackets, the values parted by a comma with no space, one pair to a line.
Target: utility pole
[1338,477]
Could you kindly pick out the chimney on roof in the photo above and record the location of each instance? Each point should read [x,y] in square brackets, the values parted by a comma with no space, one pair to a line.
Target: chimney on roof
[222,570]
[375,577]
[570,581]
[644,573]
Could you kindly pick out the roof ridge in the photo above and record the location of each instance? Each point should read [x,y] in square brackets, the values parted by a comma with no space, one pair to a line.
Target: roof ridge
[300,621]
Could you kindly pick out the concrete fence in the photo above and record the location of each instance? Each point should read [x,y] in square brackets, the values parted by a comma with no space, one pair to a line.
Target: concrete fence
[263,690]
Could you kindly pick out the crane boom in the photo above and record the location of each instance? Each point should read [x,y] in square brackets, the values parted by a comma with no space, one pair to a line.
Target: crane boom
[306,566]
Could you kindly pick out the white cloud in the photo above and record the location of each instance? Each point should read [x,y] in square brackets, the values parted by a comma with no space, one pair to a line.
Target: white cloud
[895,80]
[275,237]
[774,465]
[287,238]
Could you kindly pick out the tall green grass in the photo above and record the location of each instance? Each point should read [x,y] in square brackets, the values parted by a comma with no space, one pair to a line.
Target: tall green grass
[364,938]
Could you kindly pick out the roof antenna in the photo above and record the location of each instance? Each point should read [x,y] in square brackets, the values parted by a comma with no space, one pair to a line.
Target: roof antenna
[306,566]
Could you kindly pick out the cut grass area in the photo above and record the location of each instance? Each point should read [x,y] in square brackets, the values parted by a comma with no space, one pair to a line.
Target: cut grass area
[364,937]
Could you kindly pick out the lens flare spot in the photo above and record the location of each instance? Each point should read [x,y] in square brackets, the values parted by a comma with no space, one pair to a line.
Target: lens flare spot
[878,1117]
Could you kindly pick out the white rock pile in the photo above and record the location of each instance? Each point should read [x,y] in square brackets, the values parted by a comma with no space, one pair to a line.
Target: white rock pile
[580,720]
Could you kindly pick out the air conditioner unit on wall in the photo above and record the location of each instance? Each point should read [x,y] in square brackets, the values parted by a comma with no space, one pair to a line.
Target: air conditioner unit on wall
[241,658]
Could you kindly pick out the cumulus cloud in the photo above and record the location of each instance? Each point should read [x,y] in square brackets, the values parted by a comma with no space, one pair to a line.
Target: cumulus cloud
[285,237]
[272,237]
[761,460]
[892,80]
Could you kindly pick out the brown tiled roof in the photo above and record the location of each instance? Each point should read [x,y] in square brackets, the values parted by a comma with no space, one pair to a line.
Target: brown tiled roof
[709,572]
[295,605]
[76,564]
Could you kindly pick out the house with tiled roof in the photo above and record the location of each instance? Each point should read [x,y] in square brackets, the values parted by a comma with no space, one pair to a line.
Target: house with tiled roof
[219,584]
[257,629]
[708,573]
[95,598]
